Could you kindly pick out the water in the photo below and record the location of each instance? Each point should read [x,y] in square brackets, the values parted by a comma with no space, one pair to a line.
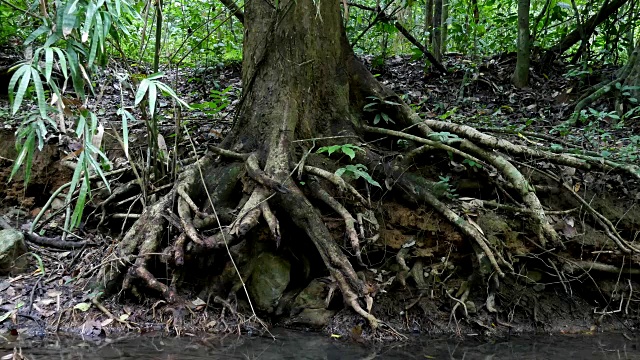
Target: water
[294,345]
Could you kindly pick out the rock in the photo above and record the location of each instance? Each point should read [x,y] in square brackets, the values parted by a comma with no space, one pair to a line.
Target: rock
[12,247]
[269,279]
[310,305]
[316,318]
[312,297]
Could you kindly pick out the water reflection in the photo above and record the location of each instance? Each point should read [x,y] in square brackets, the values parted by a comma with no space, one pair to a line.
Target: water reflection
[294,345]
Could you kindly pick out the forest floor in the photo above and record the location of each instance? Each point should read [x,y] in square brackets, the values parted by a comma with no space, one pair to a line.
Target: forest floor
[477,93]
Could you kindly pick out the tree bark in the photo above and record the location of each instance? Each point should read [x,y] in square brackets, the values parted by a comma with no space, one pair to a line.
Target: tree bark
[445,26]
[521,74]
[437,30]
[428,22]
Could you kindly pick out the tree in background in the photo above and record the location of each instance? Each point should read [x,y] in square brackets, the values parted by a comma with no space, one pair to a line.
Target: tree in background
[520,76]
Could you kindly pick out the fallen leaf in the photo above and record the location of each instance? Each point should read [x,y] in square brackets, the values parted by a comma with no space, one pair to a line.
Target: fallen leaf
[82,306]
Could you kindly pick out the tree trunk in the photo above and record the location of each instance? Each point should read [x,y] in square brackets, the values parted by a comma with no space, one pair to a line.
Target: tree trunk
[632,83]
[428,22]
[521,74]
[445,26]
[302,88]
[437,30]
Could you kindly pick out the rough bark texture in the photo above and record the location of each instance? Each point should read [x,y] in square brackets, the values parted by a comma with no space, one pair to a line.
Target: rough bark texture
[294,75]
[437,31]
[428,22]
[632,80]
[521,73]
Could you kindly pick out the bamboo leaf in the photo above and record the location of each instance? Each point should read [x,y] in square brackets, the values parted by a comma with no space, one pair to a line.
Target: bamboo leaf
[153,96]
[69,19]
[173,94]
[24,152]
[42,103]
[142,90]
[88,20]
[22,89]
[62,60]
[94,47]
[76,218]
[48,60]
[51,39]
[155,76]
[16,76]
[34,35]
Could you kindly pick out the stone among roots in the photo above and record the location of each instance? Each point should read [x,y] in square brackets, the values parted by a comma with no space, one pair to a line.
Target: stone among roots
[12,247]
[269,279]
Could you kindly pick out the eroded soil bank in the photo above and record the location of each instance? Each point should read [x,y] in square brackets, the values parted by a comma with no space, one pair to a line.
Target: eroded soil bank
[420,269]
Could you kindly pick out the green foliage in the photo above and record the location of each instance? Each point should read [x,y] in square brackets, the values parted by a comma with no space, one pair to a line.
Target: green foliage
[443,137]
[445,184]
[218,101]
[149,89]
[377,106]
[357,171]
[347,149]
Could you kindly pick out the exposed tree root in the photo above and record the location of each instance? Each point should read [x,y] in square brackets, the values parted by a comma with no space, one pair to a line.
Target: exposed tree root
[212,213]
[349,220]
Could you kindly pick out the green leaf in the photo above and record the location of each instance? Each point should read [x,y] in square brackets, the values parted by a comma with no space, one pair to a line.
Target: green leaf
[125,131]
[22,89]
[172,93]
[69,19]
[88,20]
[153,96]
[34,35]
[6,315]
[76,218]
[94,46]
[48,59]
[329,149]
[62,60]
[16,76]
[83,306]
[349,152]
[142,90]
[94,164]
[25,150]
[42,102]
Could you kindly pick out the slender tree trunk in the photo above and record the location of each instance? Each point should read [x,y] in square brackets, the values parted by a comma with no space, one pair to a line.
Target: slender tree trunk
[445,25]
[156,54]
[428,23]
[521,74]
[437,30]
[624,103]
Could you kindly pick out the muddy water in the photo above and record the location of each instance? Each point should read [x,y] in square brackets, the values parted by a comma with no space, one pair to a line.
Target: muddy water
[293,345]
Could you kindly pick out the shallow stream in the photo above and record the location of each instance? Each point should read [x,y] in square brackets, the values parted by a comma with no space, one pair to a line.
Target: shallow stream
[296,345]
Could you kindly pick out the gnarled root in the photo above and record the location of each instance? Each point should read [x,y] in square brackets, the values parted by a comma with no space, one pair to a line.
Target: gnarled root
[349,220]
[305,217]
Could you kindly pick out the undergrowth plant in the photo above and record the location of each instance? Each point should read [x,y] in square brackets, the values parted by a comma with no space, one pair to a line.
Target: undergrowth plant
[72,42]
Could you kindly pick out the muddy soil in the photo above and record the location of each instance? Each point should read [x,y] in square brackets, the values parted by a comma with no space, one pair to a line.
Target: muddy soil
[423,299]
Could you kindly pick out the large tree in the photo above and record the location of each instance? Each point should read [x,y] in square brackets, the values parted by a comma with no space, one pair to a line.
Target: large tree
[303,88]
